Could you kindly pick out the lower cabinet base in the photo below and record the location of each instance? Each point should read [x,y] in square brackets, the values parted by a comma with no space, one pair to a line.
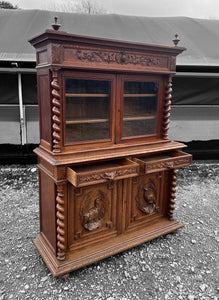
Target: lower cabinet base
[81,257]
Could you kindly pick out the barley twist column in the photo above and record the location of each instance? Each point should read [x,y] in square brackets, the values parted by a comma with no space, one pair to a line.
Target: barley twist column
[56,113]
[172,194]
[60,222]
[167,108]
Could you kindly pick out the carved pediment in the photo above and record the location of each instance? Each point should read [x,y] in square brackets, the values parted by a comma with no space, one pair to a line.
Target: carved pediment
[114,58]
[118,58]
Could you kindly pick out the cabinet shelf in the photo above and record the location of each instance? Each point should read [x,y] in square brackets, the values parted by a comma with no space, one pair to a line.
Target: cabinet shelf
[90,121]
[107,95]
[84,121]
[139,118]
[86,95]
[139,95]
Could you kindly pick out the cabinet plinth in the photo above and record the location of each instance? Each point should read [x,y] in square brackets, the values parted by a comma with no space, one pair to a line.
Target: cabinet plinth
[107,170]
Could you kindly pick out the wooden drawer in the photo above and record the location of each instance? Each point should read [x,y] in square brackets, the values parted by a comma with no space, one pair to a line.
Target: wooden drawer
[170,160]
[102,172]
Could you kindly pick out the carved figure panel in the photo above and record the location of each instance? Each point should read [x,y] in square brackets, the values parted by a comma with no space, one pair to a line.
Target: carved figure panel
[93,212]
[145,198]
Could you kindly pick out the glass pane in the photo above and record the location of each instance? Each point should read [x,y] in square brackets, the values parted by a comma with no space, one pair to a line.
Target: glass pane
[139,108]
[87,110]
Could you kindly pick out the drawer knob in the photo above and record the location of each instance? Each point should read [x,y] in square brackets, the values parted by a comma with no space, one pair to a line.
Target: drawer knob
[170,165]
[110,175]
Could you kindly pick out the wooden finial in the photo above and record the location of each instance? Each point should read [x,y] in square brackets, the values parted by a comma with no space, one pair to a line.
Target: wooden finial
[56,26]
[176,40]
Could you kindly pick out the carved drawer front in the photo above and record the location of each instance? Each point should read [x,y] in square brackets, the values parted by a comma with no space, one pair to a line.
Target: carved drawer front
[145,199]
[93,213]
[165,161]
[102,172]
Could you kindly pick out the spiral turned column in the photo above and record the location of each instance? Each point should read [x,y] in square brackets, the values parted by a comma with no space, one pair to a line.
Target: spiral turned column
[172,194]
[56,113]
[60,222]
[167,108]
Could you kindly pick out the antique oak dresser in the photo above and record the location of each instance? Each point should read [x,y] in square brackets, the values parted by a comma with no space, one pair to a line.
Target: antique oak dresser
[107,170]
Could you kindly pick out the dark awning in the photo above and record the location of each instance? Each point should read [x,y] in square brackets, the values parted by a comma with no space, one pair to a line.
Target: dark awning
[199,36]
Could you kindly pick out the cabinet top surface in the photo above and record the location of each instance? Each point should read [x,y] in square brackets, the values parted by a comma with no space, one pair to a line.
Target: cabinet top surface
[55,36]
[114,152]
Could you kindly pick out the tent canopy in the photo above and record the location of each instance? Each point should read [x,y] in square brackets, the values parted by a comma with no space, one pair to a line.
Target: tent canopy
[199,36]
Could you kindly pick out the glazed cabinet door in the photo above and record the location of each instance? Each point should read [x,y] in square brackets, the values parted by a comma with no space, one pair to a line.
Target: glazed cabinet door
[88,108]
[94,213]
[140,107]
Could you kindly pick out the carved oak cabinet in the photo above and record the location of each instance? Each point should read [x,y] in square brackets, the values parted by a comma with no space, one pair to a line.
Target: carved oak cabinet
[107,170]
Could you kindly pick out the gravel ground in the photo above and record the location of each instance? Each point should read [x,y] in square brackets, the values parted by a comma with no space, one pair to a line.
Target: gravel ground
[183,265]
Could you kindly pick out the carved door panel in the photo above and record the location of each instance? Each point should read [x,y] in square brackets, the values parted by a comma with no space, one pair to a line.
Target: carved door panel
[146,200]
[94,212]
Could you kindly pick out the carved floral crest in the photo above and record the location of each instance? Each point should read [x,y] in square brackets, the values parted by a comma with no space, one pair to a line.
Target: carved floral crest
[116,57]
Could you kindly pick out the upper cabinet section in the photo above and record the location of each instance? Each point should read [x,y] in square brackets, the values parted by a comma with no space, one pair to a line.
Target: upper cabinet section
[61,48]
[102,95]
